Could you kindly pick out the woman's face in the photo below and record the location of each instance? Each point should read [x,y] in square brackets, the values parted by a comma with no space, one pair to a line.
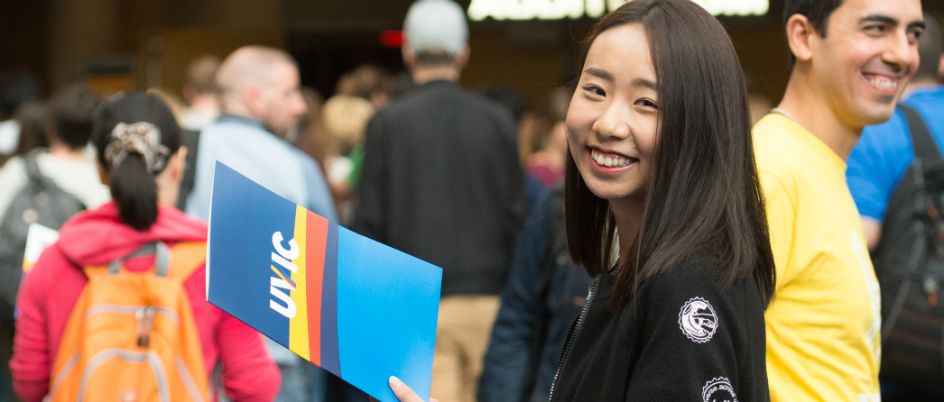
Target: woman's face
[612,122]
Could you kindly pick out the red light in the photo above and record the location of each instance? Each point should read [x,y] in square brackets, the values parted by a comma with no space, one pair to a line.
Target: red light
[391,38]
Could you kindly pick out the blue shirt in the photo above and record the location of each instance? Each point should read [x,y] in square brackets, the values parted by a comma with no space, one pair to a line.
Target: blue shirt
[884,153]
[244,145]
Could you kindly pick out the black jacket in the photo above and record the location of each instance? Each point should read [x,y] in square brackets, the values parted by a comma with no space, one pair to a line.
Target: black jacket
[441,181]
[683,340]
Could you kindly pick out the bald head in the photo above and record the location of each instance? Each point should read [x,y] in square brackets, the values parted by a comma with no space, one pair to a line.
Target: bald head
[262,83]
[250,65]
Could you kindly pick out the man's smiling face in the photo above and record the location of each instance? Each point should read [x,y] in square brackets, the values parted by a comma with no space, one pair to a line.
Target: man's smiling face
[869,52]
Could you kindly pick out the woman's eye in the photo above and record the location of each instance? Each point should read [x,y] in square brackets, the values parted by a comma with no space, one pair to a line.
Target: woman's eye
[595,90]
[647,103]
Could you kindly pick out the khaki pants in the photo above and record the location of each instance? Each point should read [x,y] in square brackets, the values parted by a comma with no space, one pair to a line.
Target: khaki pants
[465,327]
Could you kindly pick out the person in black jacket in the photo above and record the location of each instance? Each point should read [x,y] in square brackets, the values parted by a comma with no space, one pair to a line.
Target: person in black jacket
[664,208]
[442,181]
[544,293]
[663,166]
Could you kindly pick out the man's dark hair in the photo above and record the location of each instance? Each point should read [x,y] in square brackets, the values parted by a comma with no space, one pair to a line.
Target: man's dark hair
[816,11]
[70,112]
[704,197]
[930,47]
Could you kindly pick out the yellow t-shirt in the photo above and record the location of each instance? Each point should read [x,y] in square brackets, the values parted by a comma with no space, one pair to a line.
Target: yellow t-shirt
[824,323]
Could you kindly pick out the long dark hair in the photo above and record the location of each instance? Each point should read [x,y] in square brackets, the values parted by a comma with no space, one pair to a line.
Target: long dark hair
[132,185]
[704,197]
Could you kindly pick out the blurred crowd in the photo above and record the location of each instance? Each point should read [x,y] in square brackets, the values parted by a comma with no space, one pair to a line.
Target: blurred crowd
[471,181]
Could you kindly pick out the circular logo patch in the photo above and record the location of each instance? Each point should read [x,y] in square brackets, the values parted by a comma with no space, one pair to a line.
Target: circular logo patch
[718,390]
[698,320]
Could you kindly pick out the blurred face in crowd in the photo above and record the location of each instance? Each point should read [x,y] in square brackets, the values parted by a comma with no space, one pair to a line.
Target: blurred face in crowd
[280,104]
[613,119]
[866,58]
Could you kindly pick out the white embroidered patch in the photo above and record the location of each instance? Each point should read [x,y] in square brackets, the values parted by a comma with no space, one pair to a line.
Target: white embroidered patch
[718,390]
[698,320]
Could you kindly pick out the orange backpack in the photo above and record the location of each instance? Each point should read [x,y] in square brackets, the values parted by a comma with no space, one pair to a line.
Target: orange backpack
[131,336]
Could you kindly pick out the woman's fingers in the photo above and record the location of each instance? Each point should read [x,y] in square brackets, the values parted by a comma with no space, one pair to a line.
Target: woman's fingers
[403,392]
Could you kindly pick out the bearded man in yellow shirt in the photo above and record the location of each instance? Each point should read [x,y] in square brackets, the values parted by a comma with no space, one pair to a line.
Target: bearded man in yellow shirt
[850,62]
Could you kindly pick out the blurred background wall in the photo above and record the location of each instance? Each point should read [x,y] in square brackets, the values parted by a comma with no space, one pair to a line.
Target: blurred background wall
[138,44]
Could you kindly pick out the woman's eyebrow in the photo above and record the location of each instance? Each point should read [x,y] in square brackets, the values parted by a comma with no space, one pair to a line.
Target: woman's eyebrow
[642,82]
[596,72]
[638,82]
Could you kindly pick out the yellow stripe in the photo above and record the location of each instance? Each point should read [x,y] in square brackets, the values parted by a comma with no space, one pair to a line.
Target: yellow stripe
[298,326]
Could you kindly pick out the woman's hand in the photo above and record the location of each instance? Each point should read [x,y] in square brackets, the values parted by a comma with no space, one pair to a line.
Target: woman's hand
[403,392]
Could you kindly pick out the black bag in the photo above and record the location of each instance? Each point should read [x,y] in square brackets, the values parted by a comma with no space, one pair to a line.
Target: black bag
[190,170]
[909,264]
[39,201]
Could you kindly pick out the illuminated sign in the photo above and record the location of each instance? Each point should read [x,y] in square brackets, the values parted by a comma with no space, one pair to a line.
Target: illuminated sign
[560,9]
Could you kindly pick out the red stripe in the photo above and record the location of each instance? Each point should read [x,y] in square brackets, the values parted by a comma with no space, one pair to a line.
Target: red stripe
[317,238]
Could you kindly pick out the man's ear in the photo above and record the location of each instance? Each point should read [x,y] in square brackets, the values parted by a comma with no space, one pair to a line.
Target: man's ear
[409,56]
[940,70]
[462,58]
[801,36]
[252,98]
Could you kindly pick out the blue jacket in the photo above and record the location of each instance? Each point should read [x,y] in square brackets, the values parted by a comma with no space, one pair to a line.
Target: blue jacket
[508,359]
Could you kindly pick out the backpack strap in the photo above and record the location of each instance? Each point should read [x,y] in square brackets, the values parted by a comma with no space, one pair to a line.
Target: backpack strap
[32,167]
[161,258]
[180,263]
[925,147]
[186,257]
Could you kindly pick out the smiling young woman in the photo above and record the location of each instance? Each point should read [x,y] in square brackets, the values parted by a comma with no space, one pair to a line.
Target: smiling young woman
[664,209]
[659,131]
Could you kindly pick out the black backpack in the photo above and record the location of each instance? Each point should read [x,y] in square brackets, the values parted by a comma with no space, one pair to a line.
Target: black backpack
[909,264]
[190,170]
[39,201]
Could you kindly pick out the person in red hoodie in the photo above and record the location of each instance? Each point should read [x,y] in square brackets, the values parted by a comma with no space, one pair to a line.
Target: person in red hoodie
[141,159]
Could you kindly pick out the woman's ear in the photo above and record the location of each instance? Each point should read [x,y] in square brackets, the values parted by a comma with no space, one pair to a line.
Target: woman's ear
[168,180]
[182,157]
[178,163]
[102,175]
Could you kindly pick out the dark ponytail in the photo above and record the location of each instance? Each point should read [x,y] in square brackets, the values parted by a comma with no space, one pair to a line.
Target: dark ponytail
[135,192]
[132,184]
